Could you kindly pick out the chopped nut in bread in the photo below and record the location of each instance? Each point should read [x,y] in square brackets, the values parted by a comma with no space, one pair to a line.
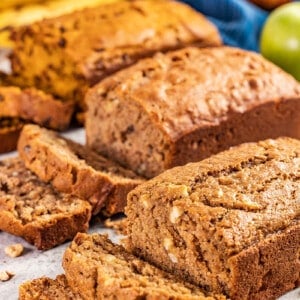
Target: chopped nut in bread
[236,229]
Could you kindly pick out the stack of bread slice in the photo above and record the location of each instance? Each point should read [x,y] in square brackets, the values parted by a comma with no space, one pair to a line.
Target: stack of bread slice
[76,169]
[98,269]
[83,183]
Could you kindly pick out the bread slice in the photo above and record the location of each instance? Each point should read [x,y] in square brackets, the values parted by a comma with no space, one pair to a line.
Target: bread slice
[10,129]
[18,107]
[98,269]
[35,106]
[45,288]
[75,169]
[229,222]
[35,211]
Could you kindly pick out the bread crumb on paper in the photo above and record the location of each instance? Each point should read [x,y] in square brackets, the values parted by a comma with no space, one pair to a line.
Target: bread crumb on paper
[14,250]
[6,275]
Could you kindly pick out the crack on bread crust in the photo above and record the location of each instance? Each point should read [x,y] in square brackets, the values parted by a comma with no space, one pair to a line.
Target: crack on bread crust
[191,115]
[231,204]
[96,42]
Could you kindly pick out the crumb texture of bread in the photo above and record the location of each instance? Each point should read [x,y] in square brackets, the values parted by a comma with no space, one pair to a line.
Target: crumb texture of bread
[188,104]
[35,211]
[119,225]
[45,288]
[75,169]
[78,49]
[229,223]
[98,269]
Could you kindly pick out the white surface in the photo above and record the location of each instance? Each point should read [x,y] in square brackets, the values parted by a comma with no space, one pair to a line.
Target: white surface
[33,263]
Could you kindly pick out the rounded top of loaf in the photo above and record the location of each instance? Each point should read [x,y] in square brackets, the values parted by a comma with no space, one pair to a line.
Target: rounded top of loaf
[193,87]
[107,30]
[246,192]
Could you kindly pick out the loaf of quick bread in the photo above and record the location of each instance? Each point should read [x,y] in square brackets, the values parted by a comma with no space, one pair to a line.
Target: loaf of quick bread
[75,51]
[229,223]
[188,104]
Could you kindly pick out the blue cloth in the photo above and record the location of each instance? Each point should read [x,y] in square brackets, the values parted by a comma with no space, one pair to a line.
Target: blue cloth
[238,21]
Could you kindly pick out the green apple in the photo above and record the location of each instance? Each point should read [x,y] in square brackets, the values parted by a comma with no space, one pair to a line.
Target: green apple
[280,38]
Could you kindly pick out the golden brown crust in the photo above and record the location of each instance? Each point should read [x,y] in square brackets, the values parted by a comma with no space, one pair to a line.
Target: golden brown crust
[269,280]
[29,105]
[229,223]
[35,211]
[73,168]
[189,104]
[79,49]
[34,105]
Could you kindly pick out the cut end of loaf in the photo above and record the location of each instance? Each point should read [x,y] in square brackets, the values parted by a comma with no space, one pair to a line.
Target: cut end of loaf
[186,105]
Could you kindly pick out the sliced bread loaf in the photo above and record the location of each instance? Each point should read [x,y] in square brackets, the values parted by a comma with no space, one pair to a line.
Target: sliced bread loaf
[98,269]
[75,169]
[229,223]
[186,105]
[35,211]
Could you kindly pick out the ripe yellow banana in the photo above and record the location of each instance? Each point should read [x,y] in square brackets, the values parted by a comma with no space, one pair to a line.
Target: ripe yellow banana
[34,10]
[4,4]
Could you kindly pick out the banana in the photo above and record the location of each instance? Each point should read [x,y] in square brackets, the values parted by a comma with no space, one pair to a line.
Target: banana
[4,4]
[35,11]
